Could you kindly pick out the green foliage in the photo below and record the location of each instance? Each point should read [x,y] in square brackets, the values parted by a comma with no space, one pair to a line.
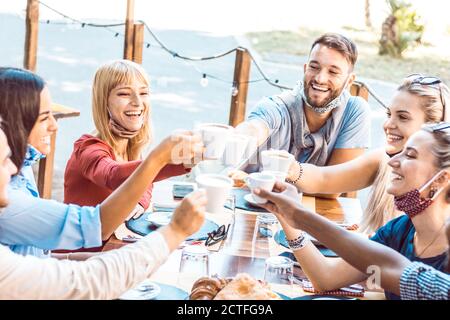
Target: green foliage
[408,29]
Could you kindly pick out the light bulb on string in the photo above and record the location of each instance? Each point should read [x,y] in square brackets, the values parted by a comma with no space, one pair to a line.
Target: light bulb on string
[234,90]
[204,81]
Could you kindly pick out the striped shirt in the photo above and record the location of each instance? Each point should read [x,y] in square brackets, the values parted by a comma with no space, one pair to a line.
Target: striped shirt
[422,282]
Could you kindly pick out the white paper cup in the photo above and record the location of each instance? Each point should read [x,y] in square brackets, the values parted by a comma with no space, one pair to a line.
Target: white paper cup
[276,160]
[217,189]
[235,148]
[214,137]
[262,181]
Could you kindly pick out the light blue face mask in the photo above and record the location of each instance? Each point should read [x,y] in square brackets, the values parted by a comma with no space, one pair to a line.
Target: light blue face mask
[32,156]
[336,102]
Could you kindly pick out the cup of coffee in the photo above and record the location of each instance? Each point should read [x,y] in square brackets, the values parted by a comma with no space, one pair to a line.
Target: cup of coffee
[234,149]
[217,189]
[262,181]
[214,137]
[276,160]
[279,175]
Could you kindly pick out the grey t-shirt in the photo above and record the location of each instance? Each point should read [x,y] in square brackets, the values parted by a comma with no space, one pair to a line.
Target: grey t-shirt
[353,133]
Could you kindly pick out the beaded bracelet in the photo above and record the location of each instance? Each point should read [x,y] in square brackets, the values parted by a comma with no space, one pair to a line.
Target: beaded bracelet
[300,174]
[299,242]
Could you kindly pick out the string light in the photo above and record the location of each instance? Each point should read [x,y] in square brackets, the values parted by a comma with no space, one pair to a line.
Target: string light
[204,81]
[234,90]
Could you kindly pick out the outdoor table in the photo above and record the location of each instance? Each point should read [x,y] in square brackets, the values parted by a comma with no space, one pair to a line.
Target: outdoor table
[237,255]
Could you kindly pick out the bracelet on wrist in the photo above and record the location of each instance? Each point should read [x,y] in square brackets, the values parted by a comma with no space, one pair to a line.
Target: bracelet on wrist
[299,175]
[298,243]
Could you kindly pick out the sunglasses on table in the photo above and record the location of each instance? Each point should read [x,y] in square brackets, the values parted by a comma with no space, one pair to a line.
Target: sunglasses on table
[218,235]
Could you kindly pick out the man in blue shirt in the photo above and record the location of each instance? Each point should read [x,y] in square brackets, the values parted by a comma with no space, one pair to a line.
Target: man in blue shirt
[318,121]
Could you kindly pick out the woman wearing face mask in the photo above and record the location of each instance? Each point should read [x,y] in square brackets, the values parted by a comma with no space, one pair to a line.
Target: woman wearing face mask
[30,225]
[418,100]
[105,276]
[102,161]
[420,185]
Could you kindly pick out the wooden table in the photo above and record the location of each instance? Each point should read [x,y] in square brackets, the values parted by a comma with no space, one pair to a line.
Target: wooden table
[237,254]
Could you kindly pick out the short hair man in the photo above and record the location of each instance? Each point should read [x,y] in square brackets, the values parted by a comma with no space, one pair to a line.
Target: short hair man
[319,122]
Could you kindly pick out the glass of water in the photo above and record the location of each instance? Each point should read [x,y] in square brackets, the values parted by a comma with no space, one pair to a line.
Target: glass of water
[279,273]
[194,264]
[266,226]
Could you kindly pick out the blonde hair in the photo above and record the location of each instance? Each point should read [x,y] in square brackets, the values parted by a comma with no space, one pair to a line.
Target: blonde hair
[108,77]
[380,208]
[440,149]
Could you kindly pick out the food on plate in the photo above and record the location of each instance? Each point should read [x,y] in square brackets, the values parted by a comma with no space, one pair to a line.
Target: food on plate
[206,288]
[242,287]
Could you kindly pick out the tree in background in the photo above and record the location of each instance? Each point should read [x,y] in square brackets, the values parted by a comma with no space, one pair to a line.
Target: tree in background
[401,30]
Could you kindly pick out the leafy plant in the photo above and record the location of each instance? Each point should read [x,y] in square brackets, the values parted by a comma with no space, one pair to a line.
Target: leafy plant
[401,30]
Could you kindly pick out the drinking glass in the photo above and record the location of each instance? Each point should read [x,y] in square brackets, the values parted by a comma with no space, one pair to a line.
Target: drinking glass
[279,273]
[266,226]
[194,264]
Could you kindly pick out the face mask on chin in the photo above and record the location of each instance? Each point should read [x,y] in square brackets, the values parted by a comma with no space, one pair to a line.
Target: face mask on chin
[120,130]
[334,103]
[412,203]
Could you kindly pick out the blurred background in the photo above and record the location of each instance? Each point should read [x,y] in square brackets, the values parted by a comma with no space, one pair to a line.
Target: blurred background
[414,34]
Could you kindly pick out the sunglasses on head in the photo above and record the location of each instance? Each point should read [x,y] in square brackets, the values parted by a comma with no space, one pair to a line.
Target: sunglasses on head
[425,80]
[417,78]
[443,126]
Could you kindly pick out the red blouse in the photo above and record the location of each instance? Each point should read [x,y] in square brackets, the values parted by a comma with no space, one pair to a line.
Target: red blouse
[92,173]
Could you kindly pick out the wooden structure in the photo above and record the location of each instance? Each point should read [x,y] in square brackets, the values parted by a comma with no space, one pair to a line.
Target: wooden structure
[240,80]
[134,36]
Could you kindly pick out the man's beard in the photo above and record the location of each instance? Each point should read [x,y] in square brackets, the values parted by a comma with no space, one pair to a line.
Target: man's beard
[332,95]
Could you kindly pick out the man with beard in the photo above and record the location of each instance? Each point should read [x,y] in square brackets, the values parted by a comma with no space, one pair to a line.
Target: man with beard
[319,122]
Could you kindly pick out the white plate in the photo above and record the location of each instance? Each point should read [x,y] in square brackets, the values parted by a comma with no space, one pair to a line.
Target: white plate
[159,218]
[249,198]
[146,290]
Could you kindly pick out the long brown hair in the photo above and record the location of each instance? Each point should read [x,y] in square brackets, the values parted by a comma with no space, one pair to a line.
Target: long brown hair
[20,101]
[435,100]
[107,77]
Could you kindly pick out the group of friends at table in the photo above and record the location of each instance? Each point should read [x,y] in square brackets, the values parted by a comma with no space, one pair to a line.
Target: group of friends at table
[51,250]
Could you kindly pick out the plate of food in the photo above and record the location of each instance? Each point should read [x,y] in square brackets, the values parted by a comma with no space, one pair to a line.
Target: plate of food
[159,218]
[241,287]
[146,290]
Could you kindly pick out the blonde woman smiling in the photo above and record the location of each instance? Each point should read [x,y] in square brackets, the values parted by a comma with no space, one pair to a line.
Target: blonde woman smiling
[102,161]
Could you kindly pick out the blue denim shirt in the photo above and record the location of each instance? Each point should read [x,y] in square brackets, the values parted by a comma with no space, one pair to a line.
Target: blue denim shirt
[30,225]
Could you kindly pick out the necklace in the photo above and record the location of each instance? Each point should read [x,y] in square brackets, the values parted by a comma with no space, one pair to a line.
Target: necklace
[434,239]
